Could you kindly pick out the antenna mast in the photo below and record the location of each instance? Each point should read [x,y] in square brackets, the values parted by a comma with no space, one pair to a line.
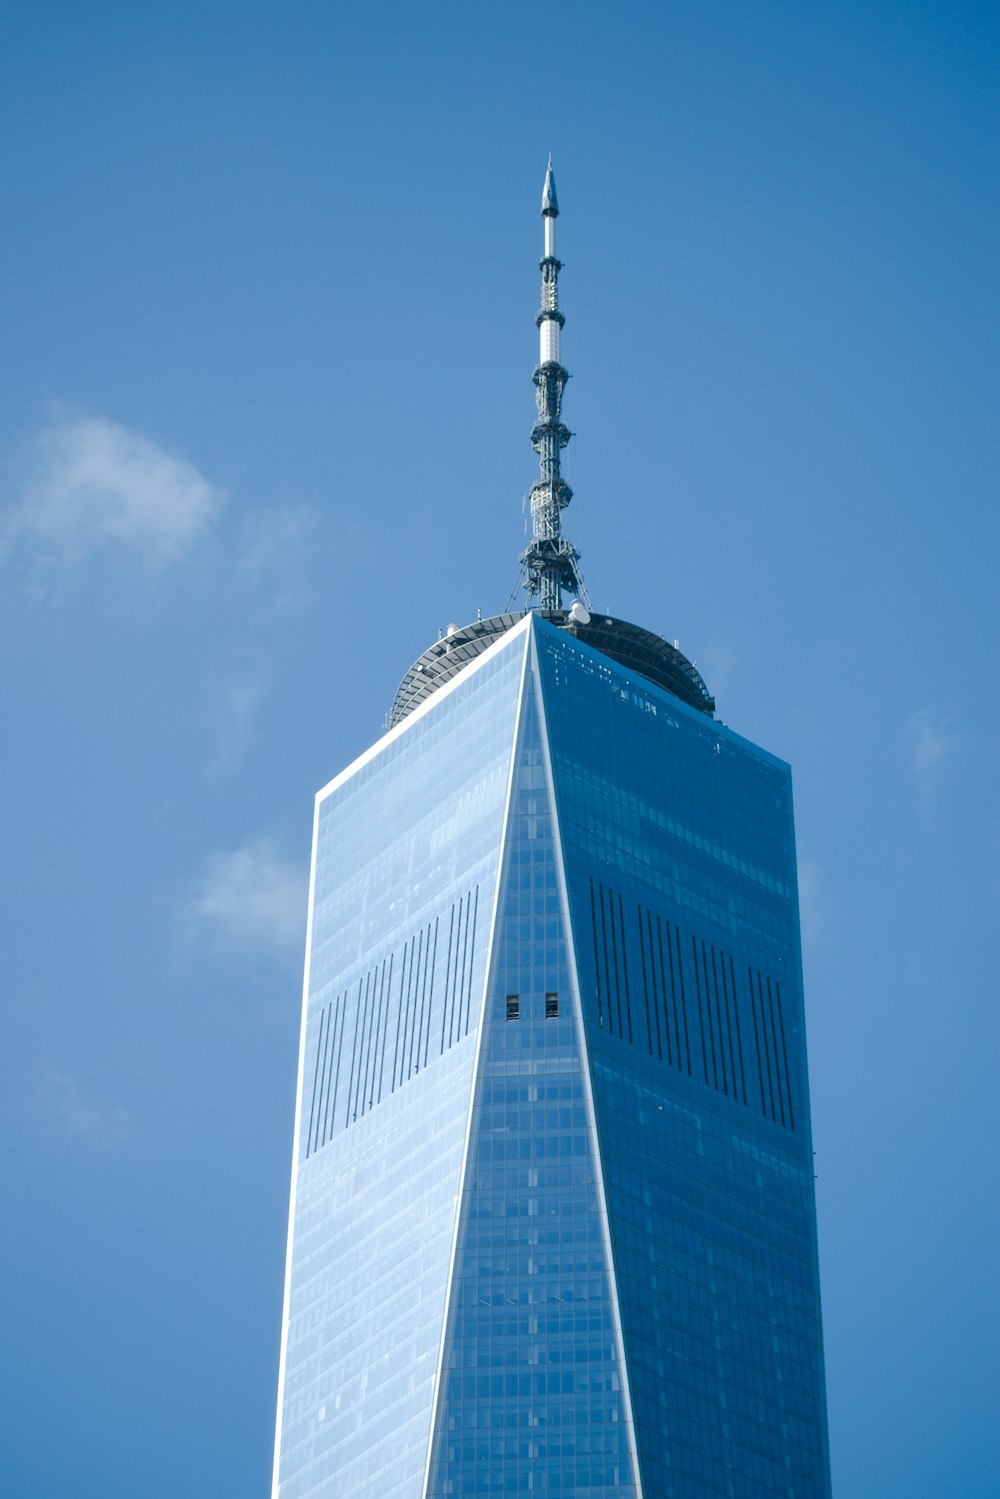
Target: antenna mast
[550,563]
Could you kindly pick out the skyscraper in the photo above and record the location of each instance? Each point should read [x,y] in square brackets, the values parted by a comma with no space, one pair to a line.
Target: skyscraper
[552,1222]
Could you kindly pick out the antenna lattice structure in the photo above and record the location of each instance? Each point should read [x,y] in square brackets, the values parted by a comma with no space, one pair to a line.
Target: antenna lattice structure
[550,564]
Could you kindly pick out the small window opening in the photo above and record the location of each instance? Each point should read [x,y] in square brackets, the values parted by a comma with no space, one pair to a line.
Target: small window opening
[513,1006]
[552,1007]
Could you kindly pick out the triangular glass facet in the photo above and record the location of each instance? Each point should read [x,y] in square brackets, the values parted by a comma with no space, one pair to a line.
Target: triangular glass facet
[531,1386]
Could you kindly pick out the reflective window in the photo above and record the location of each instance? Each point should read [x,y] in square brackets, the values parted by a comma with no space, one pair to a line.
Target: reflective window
[531,1395]
[643,1049]
[679,852]
[406,868]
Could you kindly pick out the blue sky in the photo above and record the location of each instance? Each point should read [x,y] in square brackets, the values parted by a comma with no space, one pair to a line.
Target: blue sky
[269,281]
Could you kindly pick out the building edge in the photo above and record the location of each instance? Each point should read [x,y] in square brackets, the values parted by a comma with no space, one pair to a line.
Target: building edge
[488,973]
[595,1139]
[296,1134]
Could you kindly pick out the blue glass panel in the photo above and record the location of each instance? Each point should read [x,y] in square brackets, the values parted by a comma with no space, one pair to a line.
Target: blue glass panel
[531,1393]
[679,849]
[405,875]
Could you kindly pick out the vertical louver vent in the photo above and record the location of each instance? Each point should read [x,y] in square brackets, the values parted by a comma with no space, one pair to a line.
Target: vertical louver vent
[681,999]
[409,1007]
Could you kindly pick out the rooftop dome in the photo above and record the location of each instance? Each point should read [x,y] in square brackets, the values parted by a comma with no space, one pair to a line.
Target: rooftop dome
[640,650]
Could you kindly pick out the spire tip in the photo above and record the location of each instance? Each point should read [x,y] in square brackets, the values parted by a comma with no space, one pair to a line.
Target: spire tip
[550,205]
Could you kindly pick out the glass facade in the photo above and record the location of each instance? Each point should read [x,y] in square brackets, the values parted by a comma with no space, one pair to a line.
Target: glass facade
[406,857]
[679,852]
[553,1222]
[532,1388]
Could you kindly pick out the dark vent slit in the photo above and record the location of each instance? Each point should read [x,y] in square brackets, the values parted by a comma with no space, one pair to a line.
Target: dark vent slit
[359,1089]
[665,978]
[756,1042]
[770,1050]
[371,1059]
[369,1003]
[416,1006]
[465,950]
[326,1081]
[447,975]
[774,1047]
[354,1052]
[385,1026]
[658,988]
[384,988]
[399,1018]
[645,980]
[454,977]
[701,1019]
[323,1018]
[614,959]
[628,997]
[683,991]
[423,993]
[371,1054]
[607,969]
[597,961]
[340,1023]
[472,958]
[372,1021]
[731,990]
[318,1121]
[765,1048]
[430,998]
[784,1053]
[712,1024]
[408,1013]
[725,1038]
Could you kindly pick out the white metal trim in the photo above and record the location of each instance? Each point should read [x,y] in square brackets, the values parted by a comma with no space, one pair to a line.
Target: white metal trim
[286,1300]
[585,1056]
[487,983]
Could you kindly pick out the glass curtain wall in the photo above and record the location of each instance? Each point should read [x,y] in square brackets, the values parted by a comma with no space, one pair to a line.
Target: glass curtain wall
[643,1050]
[532,1391]
[679,853]
[406,868]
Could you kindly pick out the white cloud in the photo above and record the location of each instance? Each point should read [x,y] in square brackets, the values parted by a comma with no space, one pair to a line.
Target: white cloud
[279,546]
[91,484]
[237,708]
[928,745]
[253,898]
[85,1116]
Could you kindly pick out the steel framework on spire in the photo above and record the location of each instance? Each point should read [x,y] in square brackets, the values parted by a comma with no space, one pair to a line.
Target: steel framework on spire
[550,563]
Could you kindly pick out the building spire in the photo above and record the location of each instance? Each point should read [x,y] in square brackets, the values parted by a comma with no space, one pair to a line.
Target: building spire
[550,564]
[550,208]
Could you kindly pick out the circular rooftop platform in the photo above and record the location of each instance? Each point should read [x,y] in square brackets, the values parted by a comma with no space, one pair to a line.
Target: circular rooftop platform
[640,650]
